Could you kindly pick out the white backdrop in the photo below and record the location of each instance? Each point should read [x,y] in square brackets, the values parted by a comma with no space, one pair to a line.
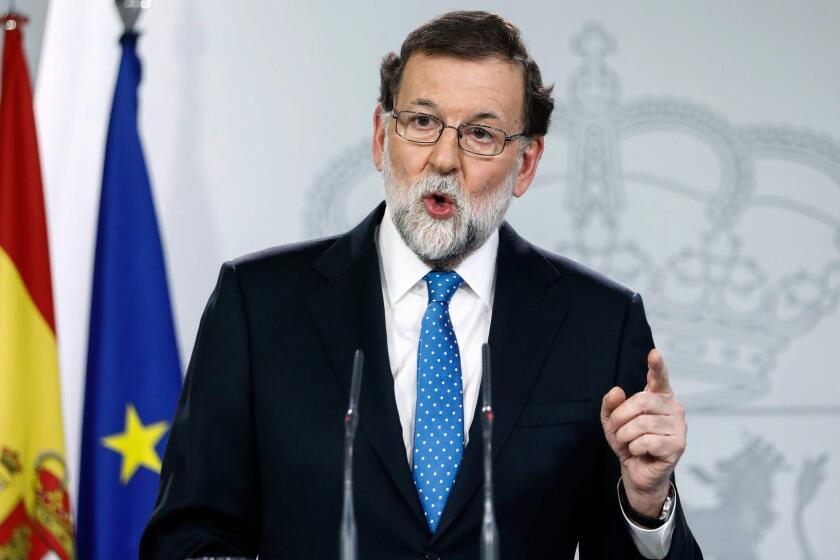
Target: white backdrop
[694,156]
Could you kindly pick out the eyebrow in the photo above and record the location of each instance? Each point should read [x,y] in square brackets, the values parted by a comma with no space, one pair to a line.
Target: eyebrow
[481,115]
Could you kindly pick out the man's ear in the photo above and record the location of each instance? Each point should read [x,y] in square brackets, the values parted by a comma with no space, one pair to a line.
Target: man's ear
[378,142]
[530,159]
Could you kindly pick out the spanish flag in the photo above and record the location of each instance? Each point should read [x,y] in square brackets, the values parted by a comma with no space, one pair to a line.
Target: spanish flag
[35,510]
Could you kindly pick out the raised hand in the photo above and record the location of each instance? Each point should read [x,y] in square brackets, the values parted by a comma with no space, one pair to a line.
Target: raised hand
[647,433]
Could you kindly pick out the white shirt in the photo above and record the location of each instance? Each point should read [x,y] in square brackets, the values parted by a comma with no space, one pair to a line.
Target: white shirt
[406,297]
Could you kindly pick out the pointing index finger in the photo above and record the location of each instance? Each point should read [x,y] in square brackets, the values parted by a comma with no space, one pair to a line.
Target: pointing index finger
[657,377]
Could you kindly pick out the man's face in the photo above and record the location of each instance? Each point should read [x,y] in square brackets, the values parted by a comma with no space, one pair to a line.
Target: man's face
[444,200]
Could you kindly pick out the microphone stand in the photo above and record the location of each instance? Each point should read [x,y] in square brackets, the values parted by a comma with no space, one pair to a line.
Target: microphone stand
[347,545]
[489,531]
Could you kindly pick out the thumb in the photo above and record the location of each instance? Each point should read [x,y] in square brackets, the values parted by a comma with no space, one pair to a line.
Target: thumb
[610,402]
[658,380]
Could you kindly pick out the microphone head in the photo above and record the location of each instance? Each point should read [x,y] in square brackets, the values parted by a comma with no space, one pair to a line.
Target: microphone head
[356,380]
[486,397]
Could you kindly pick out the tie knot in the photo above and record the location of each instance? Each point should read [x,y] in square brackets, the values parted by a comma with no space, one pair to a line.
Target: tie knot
[442,285]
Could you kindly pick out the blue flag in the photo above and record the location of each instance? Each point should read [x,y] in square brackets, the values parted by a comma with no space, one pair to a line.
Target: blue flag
[133,368]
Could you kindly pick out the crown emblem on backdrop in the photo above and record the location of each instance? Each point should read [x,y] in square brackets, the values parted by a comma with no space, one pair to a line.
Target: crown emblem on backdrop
[722,311]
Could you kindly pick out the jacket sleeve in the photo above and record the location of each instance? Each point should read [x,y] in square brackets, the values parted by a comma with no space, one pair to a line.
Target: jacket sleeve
[207,502]
[606,535]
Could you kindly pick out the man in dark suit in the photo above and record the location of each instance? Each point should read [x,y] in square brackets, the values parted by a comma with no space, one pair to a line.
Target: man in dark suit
[254,462]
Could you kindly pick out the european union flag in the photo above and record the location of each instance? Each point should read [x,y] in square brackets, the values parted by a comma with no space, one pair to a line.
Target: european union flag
[133,368]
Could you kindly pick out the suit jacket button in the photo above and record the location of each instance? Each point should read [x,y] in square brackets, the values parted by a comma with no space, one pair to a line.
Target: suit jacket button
[431,556]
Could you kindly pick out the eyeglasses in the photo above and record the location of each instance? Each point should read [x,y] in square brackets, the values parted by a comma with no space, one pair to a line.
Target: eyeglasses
[478,139]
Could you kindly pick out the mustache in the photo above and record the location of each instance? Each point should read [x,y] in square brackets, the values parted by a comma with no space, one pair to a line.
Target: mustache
[439,184]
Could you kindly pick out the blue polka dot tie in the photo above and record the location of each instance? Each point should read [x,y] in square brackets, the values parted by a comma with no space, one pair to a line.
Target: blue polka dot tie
[439,417]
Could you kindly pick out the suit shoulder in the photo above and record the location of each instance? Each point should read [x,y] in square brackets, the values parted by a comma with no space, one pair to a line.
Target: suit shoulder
[286,257]
[281,271]
[578,276]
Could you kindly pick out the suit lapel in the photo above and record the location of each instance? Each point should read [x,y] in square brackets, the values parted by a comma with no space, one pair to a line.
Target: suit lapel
[349,314]
[526,318]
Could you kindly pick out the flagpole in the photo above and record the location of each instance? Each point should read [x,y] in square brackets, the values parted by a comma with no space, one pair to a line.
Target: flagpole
[130,11]
[11,17]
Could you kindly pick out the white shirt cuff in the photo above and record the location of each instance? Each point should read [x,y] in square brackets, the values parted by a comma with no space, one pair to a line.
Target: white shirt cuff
[652,543]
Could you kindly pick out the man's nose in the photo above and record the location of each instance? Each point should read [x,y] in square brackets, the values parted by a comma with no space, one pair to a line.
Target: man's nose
[445,157]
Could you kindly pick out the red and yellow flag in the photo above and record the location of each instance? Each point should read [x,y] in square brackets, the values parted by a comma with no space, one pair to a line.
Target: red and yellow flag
[34,503]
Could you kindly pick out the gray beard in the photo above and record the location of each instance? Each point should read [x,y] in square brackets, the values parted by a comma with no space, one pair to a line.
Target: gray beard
[444,244]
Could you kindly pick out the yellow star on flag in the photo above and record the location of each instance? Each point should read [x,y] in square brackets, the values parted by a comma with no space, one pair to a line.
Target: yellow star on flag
[136,444]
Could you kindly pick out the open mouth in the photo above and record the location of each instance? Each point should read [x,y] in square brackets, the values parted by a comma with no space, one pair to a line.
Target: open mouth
[439,205]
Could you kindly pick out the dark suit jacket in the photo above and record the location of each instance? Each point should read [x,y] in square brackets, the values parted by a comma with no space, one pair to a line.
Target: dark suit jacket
[254,460]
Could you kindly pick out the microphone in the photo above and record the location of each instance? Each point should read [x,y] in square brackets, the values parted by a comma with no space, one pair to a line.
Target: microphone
[489,531]
[347,544]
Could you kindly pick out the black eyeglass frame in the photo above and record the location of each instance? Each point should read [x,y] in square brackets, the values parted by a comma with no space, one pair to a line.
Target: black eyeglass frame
[457,129]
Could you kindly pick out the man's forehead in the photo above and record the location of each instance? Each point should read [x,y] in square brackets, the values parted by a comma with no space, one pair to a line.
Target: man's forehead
[489,87]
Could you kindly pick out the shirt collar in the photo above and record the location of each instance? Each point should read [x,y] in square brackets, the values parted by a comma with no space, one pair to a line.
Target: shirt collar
[403,269]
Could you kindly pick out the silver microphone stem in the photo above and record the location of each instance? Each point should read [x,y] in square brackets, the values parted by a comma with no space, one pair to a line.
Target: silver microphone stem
[347,542]
[489,531]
